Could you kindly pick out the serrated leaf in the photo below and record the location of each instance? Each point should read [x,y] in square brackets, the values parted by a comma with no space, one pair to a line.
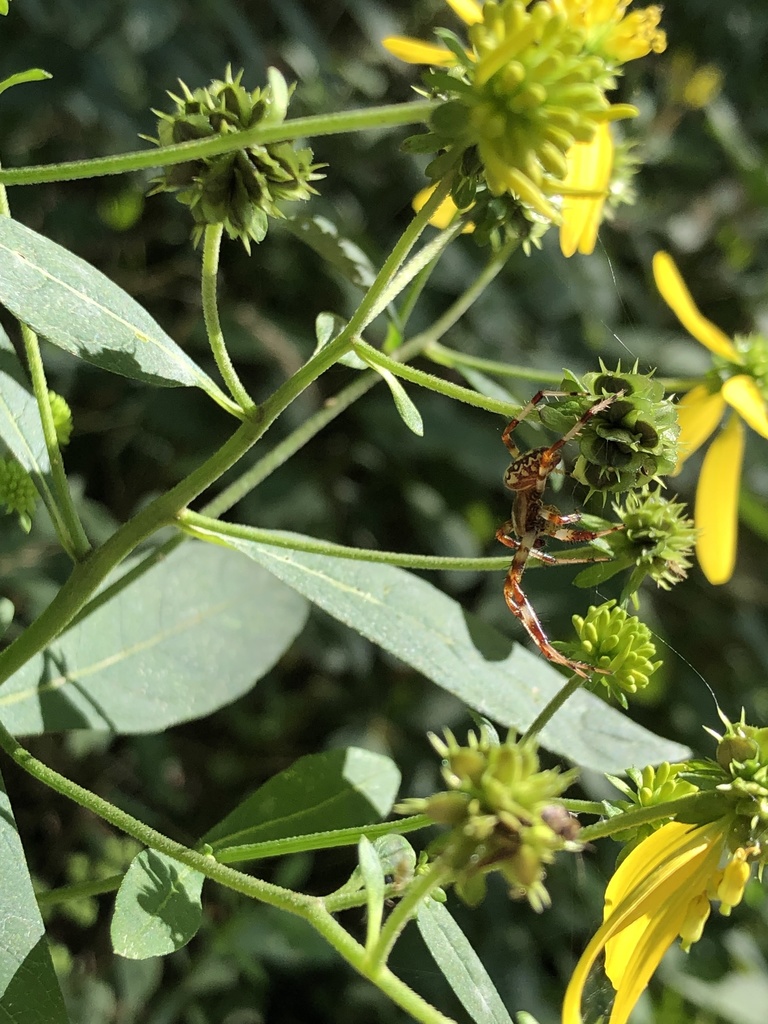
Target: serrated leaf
[191,634]
[409,414]
[323,236]
[157,908]
[76,307]
[460,965]
[318,793]
[29,991]
[430,631]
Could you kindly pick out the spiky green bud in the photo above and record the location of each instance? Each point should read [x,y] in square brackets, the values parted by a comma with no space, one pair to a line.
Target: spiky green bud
[243,188]
[652,786]
[17,491]
[62,418]
[618,645]
[628,444]
[503,812]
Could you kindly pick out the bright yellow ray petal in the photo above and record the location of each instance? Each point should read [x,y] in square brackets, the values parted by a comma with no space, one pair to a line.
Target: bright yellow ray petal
[698,412]
[743,394]
[469,11]
[444,215]
[641,881]
[589,168]
[414,51]
[717,500]
[678,298]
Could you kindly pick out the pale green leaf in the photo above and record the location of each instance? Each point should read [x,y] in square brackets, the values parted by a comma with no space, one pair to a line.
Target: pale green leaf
[76,307]
[430,631]
[157,908]
[29,991]
[460,964]
[191,634]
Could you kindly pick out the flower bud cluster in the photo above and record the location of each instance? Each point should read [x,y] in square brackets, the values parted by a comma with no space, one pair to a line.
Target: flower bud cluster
[503,813]
[17,491]
[652,786]
[628,444]
[618,645]
[240,189]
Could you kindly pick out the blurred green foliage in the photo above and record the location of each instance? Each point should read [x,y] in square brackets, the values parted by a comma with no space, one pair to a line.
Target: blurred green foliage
[702,193]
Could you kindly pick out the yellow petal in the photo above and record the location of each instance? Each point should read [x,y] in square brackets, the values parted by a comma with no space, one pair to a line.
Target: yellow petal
[698,413]
[414,51]
[444,215]
[589,169]
[639,891]
[717,500]
[469,11]
[743,394]
[678,298]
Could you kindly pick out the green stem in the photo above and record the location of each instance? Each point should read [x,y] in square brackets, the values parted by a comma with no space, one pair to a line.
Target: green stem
[448,357]
[75,541]
[300,127]
[205,528]
[210,269]
[310,908]
[228,854]
[562,695]
[78,890]
[283,451]
[421,886]
[374,357]
[642,815]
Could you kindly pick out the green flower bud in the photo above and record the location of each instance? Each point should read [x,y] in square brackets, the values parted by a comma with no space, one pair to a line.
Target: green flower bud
[62,418]
[628,444]
[652,786]
[17,491]
[618,645]
[503,812]
[242,188]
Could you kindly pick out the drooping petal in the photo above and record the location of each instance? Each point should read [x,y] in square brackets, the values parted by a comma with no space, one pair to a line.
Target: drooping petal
[637,895]
[678,298]
[698,412]
[589,169]
[717,501]
[743,394]
[469,11]
[415,51]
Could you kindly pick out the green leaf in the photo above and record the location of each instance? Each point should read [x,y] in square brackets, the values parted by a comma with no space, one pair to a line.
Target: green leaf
[157,908]
[191,634]
[30,75]
[409,414]
[318,793]
[460,964]
[327,327]
[346,257]
[431,632]
[77,308]
[30,991]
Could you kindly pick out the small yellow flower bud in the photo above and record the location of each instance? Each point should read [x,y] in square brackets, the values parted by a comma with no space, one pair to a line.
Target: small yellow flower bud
[735,877]
[695,918]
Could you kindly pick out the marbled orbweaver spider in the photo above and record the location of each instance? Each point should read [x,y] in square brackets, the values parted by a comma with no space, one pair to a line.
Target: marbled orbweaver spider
[532,522]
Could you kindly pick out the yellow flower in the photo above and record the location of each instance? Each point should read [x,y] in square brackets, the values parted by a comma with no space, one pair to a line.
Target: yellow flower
[612,33]
[742,375]
[415,51]
[660,891]
[589,171]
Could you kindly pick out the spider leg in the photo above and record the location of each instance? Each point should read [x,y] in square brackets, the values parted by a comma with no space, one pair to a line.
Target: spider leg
[560,527]
[526,410]
[522,609]
[593,410]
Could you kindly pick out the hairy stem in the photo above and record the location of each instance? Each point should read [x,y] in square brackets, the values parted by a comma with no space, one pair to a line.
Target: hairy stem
[210,268]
